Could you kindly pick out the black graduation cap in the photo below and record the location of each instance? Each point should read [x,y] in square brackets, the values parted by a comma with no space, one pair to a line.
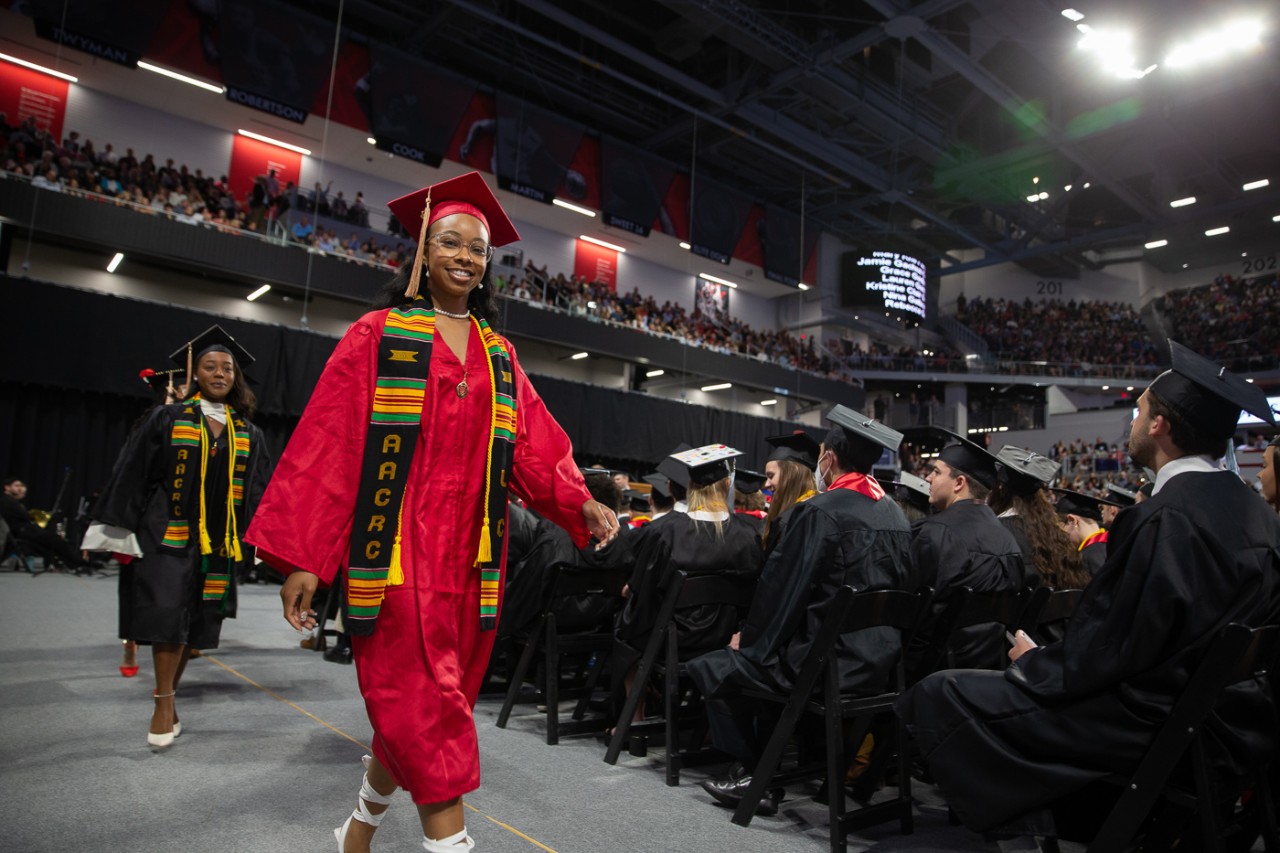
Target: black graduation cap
[864,428]
[1025,471]
[798,446]
[214,338]
[1085,506]
[638,501]
[659,483]
[1146,489]
[673,470]
[1207,396]
[607,472]
[959,452]
[747,481]
[1122,496]
[911,489]
[708,464]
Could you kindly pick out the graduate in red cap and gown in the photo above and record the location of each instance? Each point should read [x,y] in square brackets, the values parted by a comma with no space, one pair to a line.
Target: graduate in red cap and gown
[398,476]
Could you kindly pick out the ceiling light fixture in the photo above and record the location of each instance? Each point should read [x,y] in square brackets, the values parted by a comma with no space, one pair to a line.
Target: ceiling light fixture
[652,373]
[371,140]
[276,142]
[1043,196]
[261,291]
[1214,232]
[1183,202]
[1072,15]
[706,276]
[1256,185]
[174,75]
[684,245]
[115,262]
[1155,244]
[1033,198]
[16,61]
[599,242]
[559,202]
[803,286]
[719,387]
[579,356]
[772,402]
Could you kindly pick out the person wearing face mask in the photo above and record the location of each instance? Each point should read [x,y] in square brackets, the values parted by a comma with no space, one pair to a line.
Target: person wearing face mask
[851,534]
[964,545]
[186,485]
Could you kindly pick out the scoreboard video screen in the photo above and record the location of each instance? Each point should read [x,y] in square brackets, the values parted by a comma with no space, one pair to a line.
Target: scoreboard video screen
[889,282]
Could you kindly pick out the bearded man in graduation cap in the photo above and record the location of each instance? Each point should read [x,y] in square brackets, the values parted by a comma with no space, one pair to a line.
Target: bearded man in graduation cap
[398,474]
[1015,751]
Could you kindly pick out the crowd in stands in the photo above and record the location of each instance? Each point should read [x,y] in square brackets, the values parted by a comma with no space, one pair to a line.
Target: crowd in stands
[1232,321]
[1062,338]
[190,196]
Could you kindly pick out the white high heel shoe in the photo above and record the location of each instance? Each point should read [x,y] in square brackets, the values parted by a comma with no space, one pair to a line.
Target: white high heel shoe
[362,813]
[163,740]
[459,843]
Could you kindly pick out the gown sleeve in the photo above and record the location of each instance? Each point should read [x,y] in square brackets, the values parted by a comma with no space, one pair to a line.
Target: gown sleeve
[544,473]
[124,500]
[304,519]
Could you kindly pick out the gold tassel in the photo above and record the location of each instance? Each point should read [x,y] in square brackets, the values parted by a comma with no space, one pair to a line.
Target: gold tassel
[235,549]
[395,577]
[486,552]
[206,547]
[412,290]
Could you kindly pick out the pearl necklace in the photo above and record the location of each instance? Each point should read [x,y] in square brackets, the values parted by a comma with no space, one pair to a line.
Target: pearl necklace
[463,316]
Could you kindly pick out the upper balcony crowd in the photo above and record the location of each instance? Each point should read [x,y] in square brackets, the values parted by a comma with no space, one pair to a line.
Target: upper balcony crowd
[1230,319]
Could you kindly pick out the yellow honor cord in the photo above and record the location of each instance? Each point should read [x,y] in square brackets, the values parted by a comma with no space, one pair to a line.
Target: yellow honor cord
[484,553]
[206,547]
[233,540]
[395,576]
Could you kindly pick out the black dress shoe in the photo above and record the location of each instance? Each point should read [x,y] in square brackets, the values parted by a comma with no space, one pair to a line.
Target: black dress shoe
[338,654]
[732,787]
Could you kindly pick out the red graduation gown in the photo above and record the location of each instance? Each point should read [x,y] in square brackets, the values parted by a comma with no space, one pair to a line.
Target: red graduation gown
[420,671]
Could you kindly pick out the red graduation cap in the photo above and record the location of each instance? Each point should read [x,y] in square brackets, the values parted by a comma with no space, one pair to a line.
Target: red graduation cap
[464,194]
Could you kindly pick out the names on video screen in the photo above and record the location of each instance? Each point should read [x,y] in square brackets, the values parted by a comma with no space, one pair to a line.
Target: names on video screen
[898,279]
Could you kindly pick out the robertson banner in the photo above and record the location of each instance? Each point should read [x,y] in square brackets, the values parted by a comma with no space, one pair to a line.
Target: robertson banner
[29,93]
[596,264]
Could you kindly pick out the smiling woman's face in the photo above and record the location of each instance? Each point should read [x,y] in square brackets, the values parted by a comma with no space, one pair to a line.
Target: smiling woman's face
[453,270]
[215,373]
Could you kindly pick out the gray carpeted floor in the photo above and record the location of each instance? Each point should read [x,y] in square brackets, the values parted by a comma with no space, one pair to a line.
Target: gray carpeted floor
[269,757]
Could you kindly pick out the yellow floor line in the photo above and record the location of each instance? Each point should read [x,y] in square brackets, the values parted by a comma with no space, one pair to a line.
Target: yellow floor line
[304,712]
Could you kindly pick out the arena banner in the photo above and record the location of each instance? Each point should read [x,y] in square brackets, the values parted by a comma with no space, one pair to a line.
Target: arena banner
[634,183]
[24,93]
[711,300]
[717,216]
[414,107]
[534,148]
[118,31]
[595,263]
[251,158]
[275,58]
[582,180]
[788,246]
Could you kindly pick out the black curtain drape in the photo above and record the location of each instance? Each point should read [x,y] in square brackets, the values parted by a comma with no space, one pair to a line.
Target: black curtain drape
[70,393]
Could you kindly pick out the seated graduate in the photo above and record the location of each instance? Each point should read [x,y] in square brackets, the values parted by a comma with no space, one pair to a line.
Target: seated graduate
[790,473]
[850,534]
[1118,498]
[709,540]
[911,493]
[963,545]
[1013,751]
[1021,502]
[748,501]
[1081,519]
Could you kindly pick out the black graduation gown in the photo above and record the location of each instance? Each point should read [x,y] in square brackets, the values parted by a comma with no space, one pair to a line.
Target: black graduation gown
[1014,525]
[1092,556]
[1002,746]
[161,594]
[677,543]
[837,538]
[965,545]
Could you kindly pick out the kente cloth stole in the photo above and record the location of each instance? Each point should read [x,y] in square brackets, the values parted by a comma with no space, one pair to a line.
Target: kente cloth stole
[404,361]
[189,441]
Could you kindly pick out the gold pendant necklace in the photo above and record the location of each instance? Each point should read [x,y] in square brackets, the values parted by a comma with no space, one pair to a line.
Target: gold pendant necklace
[462,387]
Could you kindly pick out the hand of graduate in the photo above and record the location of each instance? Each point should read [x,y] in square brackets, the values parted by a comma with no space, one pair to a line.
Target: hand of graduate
[296,595]
[601,521]
[1021,645]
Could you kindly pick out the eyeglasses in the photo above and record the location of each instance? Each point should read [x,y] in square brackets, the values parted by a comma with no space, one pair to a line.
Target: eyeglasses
[451,244]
